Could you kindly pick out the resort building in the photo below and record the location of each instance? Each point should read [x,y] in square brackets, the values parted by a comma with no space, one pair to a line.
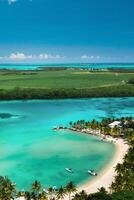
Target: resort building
[115,123]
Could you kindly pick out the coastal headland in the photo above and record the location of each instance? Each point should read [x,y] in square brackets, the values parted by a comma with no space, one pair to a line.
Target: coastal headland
[108,130]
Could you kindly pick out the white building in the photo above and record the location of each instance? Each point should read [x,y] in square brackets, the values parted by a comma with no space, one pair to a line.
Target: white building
[115,123]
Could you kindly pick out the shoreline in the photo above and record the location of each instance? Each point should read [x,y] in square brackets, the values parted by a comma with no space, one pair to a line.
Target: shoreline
[107,175]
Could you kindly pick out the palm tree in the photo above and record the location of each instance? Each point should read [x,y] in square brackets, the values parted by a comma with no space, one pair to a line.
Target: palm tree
[70,123]
[70,188]
[102,190]
[28,196]
[7,189]
[116,131]
[33,196]
[36,186]
[80,196]
[61,193]
[51,190]
[18,194]
[42,196]
[118,168]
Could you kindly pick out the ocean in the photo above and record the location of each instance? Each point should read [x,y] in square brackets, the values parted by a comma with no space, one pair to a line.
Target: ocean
[30,150]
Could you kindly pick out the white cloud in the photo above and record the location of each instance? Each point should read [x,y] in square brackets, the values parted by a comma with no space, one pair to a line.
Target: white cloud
[87,57]
[46,56]
[19,56]
[84,57]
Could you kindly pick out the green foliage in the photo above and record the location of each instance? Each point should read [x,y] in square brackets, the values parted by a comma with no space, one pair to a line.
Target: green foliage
[55,79]
[124,180]
[123,195]
[131,81]
[34,93]
[126,129]
[64,84]
[61,193]
[7,189]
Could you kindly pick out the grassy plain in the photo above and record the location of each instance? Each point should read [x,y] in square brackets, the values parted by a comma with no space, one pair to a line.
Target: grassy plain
[66,79]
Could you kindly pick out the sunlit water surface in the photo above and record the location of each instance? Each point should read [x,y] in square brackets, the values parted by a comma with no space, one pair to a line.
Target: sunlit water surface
[30,150]
[74,65]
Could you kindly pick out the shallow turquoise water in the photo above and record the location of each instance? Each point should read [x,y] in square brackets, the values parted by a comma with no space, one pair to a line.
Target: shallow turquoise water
[93,66]
[30,150]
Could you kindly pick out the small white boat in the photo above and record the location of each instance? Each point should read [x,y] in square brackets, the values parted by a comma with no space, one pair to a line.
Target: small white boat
[92,172]
[69,170]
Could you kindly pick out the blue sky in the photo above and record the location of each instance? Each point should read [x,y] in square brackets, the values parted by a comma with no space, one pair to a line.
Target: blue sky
[66,31]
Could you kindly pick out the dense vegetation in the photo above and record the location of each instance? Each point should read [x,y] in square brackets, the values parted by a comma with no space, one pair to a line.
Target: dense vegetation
[8,191]
[125,129]
[34,93]
[131,81]
[123,186]
[64,84]
[103,195]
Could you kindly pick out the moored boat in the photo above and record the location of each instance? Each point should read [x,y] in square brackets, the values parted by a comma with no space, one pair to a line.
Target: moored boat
[92,172]
[69,170]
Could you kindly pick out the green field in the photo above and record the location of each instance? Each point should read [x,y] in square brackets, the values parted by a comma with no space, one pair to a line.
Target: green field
[64,84]
[62,79]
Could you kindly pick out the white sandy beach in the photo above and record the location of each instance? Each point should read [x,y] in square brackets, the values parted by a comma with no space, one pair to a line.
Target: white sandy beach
[106,176]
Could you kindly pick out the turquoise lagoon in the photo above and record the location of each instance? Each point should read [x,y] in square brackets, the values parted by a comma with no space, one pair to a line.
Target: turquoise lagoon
[30,150]
[74,65]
